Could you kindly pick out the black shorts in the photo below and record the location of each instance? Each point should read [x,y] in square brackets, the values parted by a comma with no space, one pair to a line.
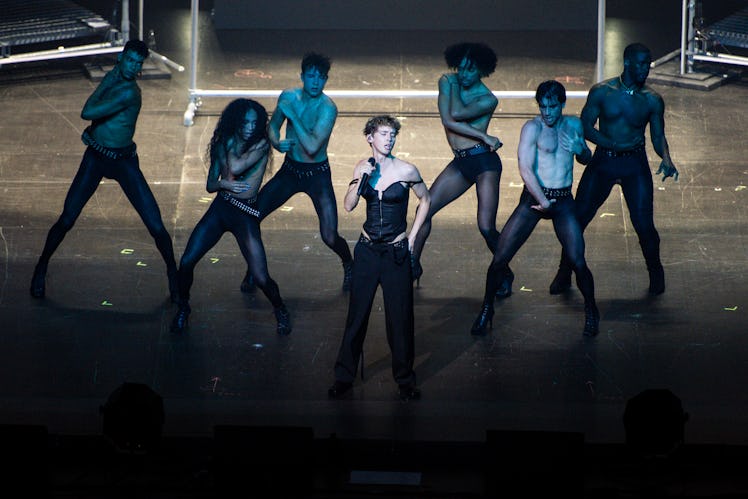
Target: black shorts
[470,167]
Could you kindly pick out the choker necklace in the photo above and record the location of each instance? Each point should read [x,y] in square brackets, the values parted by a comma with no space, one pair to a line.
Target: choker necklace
[628,90]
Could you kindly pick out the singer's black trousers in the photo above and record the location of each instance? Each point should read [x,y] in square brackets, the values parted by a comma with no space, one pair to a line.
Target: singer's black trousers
[388,265]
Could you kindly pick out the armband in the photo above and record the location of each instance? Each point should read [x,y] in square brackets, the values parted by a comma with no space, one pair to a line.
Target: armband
[353,182]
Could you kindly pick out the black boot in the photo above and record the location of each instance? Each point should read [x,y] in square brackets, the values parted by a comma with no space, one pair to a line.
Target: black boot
[657,280]
[505,289]
[38,285]
[591,320]
[179,323]
[284,320]
[248,284]
[347,275]
[483,321]
[562,282]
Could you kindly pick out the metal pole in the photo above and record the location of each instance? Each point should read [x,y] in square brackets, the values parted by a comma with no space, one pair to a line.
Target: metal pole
[193,48]
[691,46]
[126,20]
[189,113]
[376,94]
[45,55]
[153,53]
[683,36]
[600,40]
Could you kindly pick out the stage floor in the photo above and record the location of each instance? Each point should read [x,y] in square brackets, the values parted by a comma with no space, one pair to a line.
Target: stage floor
[106,316]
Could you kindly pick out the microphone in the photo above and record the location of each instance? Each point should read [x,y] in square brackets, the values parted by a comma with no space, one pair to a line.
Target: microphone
[365,176]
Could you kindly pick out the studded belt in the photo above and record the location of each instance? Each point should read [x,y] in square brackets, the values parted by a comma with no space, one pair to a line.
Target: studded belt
[306,170]
[246,205]
[478,148]
[619,154]
[556,193]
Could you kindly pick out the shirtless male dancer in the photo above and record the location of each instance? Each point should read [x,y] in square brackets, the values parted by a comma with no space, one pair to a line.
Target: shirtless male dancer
[622,107]
[310,116]
[548,145]
[113,109]
[466,106]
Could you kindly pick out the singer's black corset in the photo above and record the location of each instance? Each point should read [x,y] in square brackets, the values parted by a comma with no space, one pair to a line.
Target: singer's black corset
[386,218]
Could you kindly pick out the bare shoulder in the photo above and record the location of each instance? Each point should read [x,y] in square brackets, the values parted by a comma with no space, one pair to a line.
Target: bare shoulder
[572,122]
[488,94]
[650,92]
[532,126]
[654,98]
[408,171]
[602,88]
[290,93]
[127,90]
[329,104]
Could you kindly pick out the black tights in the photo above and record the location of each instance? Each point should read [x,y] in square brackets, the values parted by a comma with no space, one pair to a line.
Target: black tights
[635,177]
[318,186]
[126,172]
[222,217]
[451,184]
[518,229]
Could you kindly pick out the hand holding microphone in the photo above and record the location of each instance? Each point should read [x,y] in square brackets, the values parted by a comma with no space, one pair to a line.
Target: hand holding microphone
[365,176]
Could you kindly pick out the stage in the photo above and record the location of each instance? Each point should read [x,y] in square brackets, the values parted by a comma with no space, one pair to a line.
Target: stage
[105,319]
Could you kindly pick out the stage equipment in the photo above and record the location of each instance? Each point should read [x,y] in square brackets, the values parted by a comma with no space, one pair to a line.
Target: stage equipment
[704,44]
[197,94]
[56,21]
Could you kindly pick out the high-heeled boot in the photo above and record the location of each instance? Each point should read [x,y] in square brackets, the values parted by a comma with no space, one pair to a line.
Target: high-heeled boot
[484,320]
[591,320]
[562,282]
[284,320]
[347,275]
[416,270]
[179,323]
[37,288]
[505,289]
[656,280]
